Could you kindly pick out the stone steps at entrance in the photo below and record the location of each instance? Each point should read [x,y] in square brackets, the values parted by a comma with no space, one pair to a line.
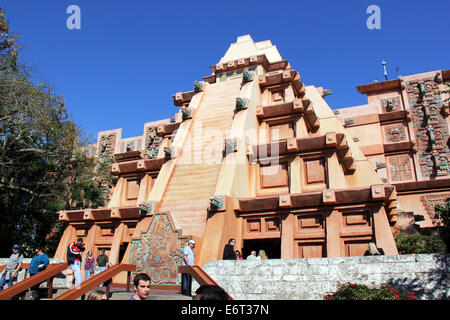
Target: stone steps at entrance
[118,293]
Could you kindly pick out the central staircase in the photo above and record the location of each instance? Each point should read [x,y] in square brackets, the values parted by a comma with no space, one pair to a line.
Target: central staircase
[198,166]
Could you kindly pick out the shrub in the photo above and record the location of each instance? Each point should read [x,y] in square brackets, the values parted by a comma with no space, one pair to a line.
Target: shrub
[351,291]
[418,243]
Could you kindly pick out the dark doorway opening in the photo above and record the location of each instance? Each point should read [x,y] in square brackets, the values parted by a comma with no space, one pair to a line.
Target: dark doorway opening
[122,250]
[272,247]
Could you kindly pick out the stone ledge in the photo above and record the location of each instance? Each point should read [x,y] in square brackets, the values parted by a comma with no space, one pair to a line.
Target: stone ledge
[311,279]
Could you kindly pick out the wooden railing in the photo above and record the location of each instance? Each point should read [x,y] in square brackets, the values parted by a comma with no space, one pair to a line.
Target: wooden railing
[200,276]
[97,279]
[25,267]
[46,275]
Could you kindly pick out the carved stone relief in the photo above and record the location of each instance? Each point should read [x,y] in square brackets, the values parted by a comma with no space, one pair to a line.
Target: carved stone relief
[159,252]
[152,142]
[395,133]
[430,201]
[107,144]
[391,104]
[400,167]
[430,127]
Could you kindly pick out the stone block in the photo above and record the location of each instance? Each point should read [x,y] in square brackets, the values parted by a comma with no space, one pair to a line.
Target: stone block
[377,192]
[284,201]
[331,139]
[328,196]
[312,261]
[292,145]
[262,80]
[253,60]
[297,105]
[404,258]
[292,277]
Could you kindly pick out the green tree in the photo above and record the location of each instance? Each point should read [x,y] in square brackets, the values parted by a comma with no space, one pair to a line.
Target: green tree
[443,214]
[43,167]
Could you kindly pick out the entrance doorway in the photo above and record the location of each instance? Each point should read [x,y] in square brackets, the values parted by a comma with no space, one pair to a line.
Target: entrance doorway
[272,247]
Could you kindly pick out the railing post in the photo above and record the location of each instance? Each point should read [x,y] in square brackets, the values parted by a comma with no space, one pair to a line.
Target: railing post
[128,280]
[50,287]
[107,290]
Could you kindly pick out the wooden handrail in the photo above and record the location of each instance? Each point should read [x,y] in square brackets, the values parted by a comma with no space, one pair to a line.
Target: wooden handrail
[200,276]
[22,286]
[24,266]
[97,279]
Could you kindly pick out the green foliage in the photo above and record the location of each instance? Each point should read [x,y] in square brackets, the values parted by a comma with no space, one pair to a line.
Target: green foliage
[443,215]
[42,165]
[350,291]
[418,243]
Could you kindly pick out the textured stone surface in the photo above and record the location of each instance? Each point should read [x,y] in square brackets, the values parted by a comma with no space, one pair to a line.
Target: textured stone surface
[310,279]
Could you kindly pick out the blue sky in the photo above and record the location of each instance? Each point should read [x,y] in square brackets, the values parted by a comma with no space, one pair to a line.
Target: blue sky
[122,68]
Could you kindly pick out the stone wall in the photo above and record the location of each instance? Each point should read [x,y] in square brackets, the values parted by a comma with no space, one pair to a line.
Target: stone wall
[58,281]
[310,279]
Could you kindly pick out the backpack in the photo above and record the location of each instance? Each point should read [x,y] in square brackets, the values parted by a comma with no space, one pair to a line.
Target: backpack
[70,255]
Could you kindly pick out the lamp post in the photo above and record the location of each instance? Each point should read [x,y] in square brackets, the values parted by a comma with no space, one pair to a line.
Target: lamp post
[383,63]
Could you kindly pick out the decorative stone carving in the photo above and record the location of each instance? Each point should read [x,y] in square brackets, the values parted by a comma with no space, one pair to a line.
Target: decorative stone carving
[348,122]
[159,251]
[152,142]
[400,167]
[107,144]
[430,126]
[198,86]
[215,203]
[240,103]
[395,133]
[230,145]
[145,206]
[390,104]
[247,76]
[130,146]
[186,112]
[430,201]
[169,152]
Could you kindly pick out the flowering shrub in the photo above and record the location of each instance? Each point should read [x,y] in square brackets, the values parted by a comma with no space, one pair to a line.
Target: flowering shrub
[351,291]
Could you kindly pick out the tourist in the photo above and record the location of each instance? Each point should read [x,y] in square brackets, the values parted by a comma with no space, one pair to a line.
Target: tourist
[97,295]
[102,262]
[12,267]
[38,264]
[74,251]
[228,251]
[210,292]
[188,260]
[252,256]
[238,255]
[374,250]
[141,286]
[89,265]
[262,254]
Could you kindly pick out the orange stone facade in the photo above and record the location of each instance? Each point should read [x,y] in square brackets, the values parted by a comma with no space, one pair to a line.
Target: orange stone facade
[257,155]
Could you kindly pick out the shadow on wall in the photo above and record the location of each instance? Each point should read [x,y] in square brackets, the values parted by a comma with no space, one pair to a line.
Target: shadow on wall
[433,285]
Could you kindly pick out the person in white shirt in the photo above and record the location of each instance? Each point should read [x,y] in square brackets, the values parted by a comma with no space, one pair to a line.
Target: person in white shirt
[187,260]
[252,256]
[12,267]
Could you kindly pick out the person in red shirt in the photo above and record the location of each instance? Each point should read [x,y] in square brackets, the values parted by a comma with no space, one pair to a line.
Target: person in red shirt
[74,259]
